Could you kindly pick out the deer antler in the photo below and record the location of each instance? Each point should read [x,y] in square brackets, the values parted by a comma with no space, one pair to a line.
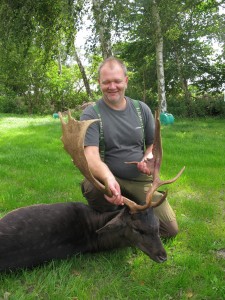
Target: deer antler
[155,163]
[73,140]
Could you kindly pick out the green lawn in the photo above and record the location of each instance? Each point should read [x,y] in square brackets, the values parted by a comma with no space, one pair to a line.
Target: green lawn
[34,168]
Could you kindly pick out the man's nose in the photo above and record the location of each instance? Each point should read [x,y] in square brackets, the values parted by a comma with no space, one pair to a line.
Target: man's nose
[112,85]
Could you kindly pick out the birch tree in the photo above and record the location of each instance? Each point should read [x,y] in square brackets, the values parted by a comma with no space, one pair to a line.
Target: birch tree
[108,17]
[83,74]
[159,56]
[103,27]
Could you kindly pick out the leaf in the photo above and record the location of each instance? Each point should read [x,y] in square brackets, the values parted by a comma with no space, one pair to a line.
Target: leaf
[6,296]
[189,295]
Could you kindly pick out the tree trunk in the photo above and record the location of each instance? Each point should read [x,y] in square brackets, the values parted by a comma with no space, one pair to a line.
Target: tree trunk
[83,74]
[184,83]
[102,29]
[59,63]
[144,86]
[159,57]
[60,75]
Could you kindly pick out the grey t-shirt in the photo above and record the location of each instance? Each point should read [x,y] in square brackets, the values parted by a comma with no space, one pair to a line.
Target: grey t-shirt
[123,135]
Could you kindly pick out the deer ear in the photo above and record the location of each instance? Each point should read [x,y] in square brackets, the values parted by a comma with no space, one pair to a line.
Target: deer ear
[113,225]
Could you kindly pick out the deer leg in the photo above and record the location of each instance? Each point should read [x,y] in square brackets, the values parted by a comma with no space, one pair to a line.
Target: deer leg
[167,218]
[168,229]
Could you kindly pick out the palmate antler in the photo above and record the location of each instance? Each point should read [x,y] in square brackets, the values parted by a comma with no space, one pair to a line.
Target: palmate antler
[73,140]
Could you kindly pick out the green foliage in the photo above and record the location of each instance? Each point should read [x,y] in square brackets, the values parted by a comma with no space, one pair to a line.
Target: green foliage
[199,106]
[64,90]
[12,104]
[37,35]
[44,23]
[39,88]
[189,29]
[36,169]
[33,36]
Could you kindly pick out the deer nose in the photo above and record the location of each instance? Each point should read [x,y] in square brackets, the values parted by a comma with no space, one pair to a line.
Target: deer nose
[162,259]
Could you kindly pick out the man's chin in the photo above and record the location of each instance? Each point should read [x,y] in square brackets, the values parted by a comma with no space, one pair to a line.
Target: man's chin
[114,98]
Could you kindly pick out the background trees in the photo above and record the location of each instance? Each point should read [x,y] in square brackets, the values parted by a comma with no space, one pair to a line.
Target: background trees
[167,45]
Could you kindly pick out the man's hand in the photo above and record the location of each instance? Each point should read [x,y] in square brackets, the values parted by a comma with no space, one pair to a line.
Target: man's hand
[146,166]
[114,186]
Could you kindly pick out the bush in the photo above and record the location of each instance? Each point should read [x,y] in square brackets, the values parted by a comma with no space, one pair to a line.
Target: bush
[200,106]
[42,104]
[12,104]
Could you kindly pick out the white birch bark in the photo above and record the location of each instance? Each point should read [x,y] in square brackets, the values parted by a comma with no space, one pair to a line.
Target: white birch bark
[102,29]
[159,58]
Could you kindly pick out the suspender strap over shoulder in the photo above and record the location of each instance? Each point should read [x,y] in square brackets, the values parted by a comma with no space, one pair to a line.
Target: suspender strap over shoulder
[101,137]
[138,109]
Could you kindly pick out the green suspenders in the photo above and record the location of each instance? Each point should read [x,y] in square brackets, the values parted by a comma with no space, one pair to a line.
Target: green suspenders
[138,108]
[101,140]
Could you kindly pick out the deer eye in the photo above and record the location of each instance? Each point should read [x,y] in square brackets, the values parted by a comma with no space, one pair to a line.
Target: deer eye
[139,231]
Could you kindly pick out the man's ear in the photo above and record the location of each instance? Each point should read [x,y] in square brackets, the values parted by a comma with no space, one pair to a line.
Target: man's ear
[113,225]
[126,80]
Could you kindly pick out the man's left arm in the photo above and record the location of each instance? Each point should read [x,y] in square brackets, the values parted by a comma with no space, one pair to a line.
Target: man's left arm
[145,166]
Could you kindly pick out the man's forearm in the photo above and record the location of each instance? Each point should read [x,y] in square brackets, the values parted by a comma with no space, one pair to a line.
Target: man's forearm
[100,171]
[148,152]
[97,167]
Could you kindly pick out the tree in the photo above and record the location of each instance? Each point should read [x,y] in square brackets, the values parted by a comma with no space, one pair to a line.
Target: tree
[83,73]
[159,56]
[102,27]
[48,27]
[165,43]
[182,43]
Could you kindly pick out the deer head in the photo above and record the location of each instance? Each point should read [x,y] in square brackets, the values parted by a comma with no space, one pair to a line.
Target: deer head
[73,140]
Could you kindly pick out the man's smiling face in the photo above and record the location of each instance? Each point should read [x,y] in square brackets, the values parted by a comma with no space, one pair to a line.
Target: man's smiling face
[113,83]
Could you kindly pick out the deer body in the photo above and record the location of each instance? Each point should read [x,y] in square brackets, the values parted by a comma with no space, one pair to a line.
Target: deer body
[32,235]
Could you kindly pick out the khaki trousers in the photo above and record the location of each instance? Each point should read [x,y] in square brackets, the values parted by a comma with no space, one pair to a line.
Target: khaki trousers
[135,190]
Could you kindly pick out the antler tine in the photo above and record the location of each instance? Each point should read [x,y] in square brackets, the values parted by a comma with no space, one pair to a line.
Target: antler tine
[155,164]
[157,159]
[73,139]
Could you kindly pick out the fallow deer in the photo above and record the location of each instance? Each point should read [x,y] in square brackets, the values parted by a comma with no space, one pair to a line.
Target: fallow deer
[35,234]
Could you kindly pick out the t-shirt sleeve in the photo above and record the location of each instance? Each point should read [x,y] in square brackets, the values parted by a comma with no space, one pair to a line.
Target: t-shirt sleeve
[92,135]
[149,124]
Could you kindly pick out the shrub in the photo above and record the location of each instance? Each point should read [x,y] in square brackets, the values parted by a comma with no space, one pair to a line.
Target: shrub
[41,104]
[12,104]
[199,106]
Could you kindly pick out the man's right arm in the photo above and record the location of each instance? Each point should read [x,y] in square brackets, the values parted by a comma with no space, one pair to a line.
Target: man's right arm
[100,171]
[97,167]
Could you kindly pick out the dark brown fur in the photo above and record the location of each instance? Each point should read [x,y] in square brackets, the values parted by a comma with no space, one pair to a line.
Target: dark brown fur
[36,234]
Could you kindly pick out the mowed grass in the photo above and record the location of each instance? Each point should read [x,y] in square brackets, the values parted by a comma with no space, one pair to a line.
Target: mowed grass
[34,168]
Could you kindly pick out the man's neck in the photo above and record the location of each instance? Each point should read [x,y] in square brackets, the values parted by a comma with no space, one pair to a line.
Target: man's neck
[119,105]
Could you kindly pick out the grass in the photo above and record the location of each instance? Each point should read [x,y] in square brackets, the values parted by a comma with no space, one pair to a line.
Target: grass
[34,168]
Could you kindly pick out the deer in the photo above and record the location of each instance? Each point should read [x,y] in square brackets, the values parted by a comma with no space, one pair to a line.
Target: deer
[36,234]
